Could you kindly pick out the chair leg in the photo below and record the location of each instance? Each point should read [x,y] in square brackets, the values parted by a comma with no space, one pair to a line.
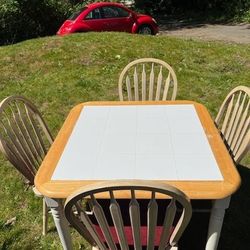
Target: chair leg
[45,217]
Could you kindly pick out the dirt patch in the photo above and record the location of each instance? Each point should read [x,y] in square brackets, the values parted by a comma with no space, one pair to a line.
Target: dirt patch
[211,32]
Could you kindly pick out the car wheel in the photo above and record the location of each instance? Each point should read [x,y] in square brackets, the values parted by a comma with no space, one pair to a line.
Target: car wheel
[145,30]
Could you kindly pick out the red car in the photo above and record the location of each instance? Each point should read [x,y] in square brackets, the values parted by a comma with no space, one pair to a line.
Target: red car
[107,16]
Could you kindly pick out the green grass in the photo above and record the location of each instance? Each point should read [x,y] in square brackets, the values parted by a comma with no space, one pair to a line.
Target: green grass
[56,73]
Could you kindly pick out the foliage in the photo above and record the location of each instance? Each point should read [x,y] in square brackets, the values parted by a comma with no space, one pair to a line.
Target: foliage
[245,17]
[208,8]
[24,19]
[9,16]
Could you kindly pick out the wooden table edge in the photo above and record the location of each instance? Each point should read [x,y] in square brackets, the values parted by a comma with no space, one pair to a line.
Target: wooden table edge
[56,189]
[44,184]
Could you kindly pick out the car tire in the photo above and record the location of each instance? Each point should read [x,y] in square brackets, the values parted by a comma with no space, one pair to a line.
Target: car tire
[145,30]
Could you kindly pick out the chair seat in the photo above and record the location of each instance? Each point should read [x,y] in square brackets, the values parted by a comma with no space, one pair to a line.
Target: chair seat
[129,235]
[100,231]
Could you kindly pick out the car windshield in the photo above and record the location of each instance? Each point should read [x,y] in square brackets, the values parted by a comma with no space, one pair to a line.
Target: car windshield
[76,14]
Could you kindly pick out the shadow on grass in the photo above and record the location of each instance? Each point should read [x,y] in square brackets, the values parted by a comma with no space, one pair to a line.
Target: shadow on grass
[236,228]
[11,240]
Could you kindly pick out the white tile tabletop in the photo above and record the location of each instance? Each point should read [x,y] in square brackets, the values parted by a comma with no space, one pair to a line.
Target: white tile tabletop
[150,142]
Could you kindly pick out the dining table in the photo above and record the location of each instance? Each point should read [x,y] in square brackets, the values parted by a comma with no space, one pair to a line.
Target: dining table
[173,142]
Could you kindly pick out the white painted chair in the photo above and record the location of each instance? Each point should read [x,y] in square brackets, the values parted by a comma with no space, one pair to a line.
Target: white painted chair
[233,121]
[104,226]
[24,139]
[147,79]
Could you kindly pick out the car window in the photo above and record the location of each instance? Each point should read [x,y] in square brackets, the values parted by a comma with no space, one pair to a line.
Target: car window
[76,14]
[122,12]
[114,12]
[94,14]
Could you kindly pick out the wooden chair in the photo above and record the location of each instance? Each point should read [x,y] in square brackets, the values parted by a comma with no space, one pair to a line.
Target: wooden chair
[108,229]
[233,121]
[24,139]
[147,79]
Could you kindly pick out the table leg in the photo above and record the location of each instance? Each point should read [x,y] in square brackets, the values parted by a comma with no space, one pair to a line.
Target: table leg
[56,207]
[216,222]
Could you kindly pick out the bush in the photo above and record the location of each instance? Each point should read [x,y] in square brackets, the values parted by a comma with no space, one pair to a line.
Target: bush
[223,8]
[23,19]
[10,17]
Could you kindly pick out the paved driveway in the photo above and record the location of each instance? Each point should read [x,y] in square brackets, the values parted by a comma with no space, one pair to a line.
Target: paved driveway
[228,33]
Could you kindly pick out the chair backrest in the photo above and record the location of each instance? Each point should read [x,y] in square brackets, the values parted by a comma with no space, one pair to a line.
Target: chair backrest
[24,136]
[147,79]
[233,121]
[94,226]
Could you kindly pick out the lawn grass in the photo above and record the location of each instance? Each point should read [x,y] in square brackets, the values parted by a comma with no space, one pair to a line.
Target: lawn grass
[56,73]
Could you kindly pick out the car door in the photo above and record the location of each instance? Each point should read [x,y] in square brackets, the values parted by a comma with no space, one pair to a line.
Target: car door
[117,19]
[93,21]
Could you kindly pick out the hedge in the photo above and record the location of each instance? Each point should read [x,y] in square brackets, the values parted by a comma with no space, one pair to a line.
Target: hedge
[23,19]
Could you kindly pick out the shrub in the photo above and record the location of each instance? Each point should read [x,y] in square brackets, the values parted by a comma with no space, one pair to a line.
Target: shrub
[23,19]
[10,17]
[223,8]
